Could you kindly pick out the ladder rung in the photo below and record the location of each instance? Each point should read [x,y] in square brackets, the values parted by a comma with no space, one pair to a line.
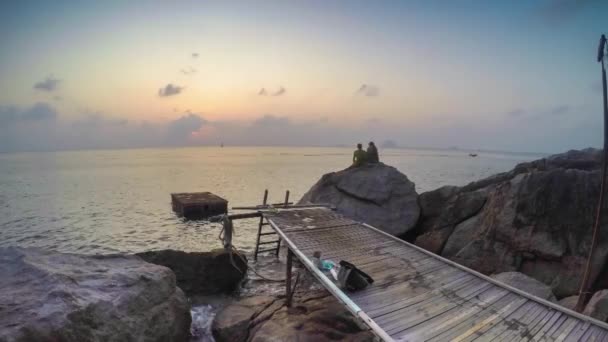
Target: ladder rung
[264,224]
[269,233]
[269,242]
[267,250]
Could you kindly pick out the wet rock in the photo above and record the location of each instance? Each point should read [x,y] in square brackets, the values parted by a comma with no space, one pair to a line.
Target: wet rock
[376,194]
[314,317]
[48,296]
[597,307]
[217,271]
[232,323]
[527,284]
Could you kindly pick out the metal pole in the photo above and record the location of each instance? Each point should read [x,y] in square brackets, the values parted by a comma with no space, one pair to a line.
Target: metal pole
[583,294]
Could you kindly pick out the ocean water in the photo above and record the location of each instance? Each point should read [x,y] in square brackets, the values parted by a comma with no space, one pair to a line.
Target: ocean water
[119,200]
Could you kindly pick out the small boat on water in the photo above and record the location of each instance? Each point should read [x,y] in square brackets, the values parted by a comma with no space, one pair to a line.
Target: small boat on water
[472,154]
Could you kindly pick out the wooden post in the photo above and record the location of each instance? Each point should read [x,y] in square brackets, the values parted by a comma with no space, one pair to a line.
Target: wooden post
[286,203]
[288,277]
[257,244]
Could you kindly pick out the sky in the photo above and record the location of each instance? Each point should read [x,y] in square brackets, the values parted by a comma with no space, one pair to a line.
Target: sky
[508,75]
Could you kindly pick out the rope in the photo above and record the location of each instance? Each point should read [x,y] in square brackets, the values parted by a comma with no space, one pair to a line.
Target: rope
[225,220]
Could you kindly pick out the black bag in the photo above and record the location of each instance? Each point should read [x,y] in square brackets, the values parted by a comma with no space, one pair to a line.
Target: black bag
[351,278]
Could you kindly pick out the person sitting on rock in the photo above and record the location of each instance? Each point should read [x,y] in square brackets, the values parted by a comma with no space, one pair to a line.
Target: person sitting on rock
[359,157]
[372,153]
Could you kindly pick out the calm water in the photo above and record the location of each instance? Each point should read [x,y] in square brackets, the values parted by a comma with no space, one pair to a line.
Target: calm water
[118,201]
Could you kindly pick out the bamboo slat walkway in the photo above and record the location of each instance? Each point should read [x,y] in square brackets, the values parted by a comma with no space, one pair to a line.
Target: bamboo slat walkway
[419,296]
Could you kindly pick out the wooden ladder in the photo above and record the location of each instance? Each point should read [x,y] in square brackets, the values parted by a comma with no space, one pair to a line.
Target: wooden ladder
[276,242]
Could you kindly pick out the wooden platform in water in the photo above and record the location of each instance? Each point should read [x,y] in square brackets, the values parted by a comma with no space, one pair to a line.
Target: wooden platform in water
[420,296]
[197,205]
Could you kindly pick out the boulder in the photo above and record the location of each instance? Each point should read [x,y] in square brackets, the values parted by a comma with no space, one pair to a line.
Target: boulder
[535,219]
[48,296]
[568,302]
[438,225]
[232,323]
[375,193]
[597,307]
[217,271]
[527,284]
[313,317]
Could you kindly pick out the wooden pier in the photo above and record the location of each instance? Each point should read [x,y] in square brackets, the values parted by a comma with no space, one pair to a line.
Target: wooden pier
[420,296]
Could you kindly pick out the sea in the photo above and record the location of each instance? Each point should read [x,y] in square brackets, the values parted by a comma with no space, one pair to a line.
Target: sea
[108,201]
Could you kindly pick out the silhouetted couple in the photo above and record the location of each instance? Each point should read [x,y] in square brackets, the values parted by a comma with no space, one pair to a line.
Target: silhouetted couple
[361,157]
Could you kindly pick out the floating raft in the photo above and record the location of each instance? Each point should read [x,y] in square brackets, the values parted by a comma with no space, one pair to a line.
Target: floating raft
[198,205]
[420,296]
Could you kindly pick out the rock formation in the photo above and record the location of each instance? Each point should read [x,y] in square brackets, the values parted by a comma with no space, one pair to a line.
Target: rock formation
[535,219]
[375,193]
[312,317]
[217,271]
[47,296]
[527,284]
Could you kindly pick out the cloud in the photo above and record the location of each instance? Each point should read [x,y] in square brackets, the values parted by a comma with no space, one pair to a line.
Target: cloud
[516,112]
[180,129]
[170,90]
[49,84]
[195,55]
[596,87]
[539,113]
[281,91]
[188,71]
[38,112]
[561,11]
[559,110]
[368,90]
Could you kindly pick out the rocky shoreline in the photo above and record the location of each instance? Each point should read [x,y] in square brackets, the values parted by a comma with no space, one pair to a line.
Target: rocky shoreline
[529,227]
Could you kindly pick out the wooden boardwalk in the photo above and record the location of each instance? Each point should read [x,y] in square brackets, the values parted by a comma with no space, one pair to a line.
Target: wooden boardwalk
[419,296]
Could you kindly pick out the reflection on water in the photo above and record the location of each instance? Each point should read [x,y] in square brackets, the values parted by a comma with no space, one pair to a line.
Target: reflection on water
[118,201]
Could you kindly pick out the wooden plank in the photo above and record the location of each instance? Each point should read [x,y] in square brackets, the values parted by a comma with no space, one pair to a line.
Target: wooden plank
[381,294]
[481,327]
[460,328]
[557,320]
[547,319]
[451,318]
[578,331]
[519,327]
[594,334]
[401,319]
[507,322]
[381,308]
[402,302]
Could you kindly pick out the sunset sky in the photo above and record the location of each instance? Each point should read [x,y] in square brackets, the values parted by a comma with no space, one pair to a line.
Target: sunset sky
[514,75]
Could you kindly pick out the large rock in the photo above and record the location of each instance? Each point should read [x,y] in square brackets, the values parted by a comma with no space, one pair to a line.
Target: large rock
[376,194]
[218,271]
[315,317]
[527,284]
[597,307]
[535,219]
[438,225]
[46,296]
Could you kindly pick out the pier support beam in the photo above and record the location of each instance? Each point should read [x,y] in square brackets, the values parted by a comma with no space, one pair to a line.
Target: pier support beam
[288,289]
